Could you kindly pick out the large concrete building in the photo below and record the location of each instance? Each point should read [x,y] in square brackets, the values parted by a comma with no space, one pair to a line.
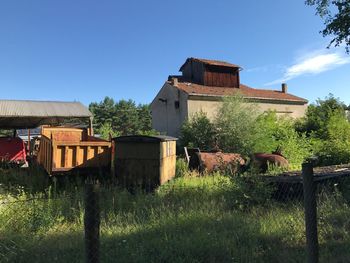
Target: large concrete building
[202,86]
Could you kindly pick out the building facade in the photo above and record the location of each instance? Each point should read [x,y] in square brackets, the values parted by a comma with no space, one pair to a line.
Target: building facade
[202,86]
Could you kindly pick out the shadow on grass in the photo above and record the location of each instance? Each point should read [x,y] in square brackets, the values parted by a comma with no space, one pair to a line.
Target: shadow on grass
[189,224]
[196,238]
[56,247]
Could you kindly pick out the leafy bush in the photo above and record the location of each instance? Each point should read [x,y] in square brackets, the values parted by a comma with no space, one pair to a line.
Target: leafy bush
[232,130]
[181,167]
[327,126]
[198,131]
[318,115]
[106,131]
[335,149]
[276,132]
[236,125]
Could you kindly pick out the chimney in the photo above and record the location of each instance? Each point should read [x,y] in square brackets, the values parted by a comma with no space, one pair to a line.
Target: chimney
[174,81]
[284,88]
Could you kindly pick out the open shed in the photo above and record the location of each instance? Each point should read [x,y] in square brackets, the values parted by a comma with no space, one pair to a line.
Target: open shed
[66,140]
[26,114]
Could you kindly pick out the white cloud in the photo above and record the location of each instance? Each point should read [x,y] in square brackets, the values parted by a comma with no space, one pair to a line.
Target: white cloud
[315,63]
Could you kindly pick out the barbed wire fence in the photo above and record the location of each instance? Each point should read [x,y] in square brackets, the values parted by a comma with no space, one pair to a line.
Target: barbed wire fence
[310,220]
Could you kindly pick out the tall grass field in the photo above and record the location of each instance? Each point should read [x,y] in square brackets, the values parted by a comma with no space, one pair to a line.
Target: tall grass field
[191,219]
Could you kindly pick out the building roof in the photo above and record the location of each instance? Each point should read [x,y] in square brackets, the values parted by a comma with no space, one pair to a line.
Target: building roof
[211,62]
[31,114]
[245,91]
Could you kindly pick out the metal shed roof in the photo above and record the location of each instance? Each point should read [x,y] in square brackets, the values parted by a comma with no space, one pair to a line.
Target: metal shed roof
[31,114]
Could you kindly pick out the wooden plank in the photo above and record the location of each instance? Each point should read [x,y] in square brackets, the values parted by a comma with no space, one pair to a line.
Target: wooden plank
[84,143]
[78,157]
[53,156]
[89,152]
[99,149]
[60,156]
[71,156]
[48,159]
[66,157]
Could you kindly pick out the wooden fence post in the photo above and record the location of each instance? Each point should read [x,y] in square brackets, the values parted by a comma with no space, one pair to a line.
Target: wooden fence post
[310,207]
[92,223]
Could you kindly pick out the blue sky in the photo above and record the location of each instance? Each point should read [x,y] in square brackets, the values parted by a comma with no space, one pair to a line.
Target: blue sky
[85,50]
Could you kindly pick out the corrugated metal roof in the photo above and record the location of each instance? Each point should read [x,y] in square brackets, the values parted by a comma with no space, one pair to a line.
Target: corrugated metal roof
[30,108]
[31,114]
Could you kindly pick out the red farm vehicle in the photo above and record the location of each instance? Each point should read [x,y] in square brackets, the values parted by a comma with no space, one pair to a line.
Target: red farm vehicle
[12,151]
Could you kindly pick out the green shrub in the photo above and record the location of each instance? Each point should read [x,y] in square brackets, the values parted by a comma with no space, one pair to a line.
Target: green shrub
[276,132]
[236,125]
[239,128]
[106,131]
[198,131]
[181,167]
[335,149]
[319,114]
[245,192]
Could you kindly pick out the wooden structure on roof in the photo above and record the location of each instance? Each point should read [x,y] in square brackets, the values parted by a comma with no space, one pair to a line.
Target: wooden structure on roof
[210,72]
[65,149]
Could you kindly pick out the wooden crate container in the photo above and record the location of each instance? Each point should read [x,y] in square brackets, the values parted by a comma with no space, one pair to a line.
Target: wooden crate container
[65,149]
[146,161]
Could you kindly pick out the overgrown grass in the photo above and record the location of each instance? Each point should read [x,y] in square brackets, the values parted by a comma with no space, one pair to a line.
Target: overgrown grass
[191,219]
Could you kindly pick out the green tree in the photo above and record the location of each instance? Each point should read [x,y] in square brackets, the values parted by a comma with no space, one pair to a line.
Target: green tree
[327,126]
[104,112]
[236,125]
[127,120]
[145,118]
[318,115]
[122,117]
[198,131]
[336,15]
[335,149]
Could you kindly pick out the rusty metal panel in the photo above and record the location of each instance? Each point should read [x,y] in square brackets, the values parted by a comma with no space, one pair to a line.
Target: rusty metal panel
[62,156]
[207,161]
[64,134]
[263,160]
